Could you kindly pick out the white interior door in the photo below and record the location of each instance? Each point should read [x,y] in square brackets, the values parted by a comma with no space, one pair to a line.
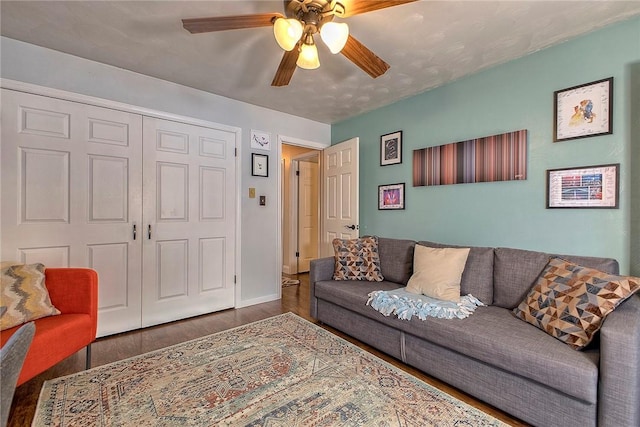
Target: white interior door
[189,220]
[340,201]
[71,195]
[307,213]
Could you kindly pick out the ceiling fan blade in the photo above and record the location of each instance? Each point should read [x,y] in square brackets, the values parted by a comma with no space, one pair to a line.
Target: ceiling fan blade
[360,55]
[356,7]
[286,68]
[222,23]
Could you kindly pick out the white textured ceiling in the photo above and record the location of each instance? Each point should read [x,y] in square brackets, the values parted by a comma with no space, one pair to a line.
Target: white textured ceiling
[427,44]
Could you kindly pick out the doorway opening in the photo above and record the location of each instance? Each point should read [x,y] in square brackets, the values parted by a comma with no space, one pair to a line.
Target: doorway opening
[300,207]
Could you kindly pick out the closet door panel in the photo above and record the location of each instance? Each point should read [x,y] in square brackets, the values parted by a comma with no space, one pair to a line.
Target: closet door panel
[71,194]
[44,186]
[111,261]
[51,256]
[172,196]
[108,189]
[212,274]
[189,218]
[112,208]
[172,269]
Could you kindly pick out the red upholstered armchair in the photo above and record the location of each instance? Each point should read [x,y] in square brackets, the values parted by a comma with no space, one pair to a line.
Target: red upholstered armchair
[73,291]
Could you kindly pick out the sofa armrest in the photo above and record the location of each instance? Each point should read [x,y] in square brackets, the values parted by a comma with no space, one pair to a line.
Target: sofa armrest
[619,385]
[74,291]
[320,269]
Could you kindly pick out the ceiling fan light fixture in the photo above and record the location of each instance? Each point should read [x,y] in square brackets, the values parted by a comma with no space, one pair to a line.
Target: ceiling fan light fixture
[335,35]
[308,58]
[287,32]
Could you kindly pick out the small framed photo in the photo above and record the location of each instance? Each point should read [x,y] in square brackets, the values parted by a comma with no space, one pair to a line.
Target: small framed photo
[583,111]
[391,196]
[259,165]
[260,140]
[584,187]
[391,148]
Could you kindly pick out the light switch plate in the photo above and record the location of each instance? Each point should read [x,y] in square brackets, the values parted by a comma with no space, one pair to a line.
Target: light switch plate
[252,193]
[263,200]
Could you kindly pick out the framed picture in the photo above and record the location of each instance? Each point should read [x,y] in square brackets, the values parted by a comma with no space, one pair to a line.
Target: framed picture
[583,111]
[391,196]
[260,140]
[584,187]
[259,164]
[391,148]
[464,162]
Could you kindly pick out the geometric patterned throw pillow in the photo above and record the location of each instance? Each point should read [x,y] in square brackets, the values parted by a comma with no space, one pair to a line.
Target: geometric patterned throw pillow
[570,302]
[357,259]
[23,295]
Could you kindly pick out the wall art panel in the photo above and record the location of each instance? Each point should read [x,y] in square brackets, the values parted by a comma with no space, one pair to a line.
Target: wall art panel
[493,158]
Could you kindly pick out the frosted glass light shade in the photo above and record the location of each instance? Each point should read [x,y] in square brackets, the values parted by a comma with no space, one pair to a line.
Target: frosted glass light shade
[287,32]
[308,58]
[335,35]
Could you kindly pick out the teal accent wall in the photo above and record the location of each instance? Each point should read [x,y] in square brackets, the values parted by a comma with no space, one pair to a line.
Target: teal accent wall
[634,187]
[516,95]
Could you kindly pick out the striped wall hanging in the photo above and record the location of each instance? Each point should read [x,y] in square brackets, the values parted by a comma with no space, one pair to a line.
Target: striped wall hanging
[493,158]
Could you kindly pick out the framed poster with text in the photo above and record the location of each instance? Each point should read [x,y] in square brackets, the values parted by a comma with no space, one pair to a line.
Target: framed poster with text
[584,187]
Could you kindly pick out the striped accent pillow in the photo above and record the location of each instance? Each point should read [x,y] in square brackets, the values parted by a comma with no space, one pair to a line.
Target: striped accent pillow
[24,295]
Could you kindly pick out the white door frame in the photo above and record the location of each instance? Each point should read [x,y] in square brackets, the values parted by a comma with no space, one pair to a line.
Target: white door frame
[282,139]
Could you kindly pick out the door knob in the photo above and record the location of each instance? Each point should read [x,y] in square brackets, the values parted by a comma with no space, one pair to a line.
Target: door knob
[350,227]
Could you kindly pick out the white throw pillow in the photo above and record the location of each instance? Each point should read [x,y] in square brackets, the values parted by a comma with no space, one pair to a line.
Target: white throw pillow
[437,272]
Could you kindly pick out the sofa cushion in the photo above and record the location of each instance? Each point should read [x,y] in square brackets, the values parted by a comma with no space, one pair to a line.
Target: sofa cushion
[396,259]
[494,336]
[606,265]
[570,302]
[516,270]
[24,295]
[352,295]
[491,334]
[437,272]
[477,277]
[56,338]
[357,259]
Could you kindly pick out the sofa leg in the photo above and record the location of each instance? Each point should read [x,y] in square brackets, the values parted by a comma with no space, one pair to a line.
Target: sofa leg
[88,361]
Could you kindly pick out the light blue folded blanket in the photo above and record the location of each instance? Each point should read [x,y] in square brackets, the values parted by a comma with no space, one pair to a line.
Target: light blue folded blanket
[406,305]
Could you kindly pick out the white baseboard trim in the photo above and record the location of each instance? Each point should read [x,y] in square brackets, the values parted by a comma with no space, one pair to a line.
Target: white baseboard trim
[254,301]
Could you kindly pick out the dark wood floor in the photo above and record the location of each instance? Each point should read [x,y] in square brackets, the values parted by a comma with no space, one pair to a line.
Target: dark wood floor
[116,347]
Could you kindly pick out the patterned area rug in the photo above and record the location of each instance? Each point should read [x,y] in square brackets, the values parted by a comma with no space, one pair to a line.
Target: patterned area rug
[282,371]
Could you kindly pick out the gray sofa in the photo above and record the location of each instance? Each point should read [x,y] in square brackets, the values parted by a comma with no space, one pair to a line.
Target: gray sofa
[492,355]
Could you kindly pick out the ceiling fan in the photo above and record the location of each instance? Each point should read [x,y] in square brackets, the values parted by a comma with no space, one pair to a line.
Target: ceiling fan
[295,32]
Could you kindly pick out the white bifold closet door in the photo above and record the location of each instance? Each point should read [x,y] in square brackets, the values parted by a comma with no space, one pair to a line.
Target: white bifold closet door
[73,196]
[189,218]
